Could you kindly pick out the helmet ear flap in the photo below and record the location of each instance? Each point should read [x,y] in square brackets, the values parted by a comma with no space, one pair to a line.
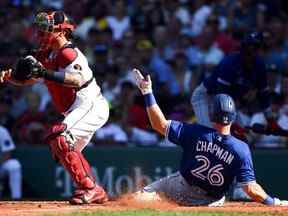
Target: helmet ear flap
[59,17]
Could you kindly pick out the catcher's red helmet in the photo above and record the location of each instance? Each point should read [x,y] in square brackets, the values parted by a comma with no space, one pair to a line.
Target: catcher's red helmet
[48,23]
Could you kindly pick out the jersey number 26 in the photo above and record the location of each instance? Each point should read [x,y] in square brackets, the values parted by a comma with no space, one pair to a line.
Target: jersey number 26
[214,176]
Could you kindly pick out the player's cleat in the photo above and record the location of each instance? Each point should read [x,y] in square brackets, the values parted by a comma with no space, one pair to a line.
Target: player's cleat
[143,196]
[217,203]
[95,195]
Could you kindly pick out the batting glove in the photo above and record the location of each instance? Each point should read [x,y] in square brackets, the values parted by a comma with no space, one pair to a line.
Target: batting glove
[278,202]
[144,84]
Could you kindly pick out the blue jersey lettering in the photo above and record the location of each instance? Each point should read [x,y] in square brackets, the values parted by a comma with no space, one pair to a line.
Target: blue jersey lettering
[211,160]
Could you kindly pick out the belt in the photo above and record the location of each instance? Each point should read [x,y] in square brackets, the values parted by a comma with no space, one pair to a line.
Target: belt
[86,84]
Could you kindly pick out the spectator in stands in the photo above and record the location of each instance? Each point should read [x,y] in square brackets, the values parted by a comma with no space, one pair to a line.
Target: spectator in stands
[223,39]
[111,133]
[276,53]
[146,15]
[270,141]
[6,119]
[96,21]
[133,111]
[273,78]
[128,121]
[161,70]
[111,87]
[247,15]
[118,21]
[186,79]
[10,168]
[202,11]
[101,62]
[163,47]
[117,132]
[129,43]
[146,35]
[210,55]
[31,126]
[284,88]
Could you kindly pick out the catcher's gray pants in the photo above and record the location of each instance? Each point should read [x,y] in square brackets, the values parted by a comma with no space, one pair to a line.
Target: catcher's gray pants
[200,101]
[175,188]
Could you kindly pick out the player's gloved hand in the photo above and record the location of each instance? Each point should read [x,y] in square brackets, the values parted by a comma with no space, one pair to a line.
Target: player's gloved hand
[5,75]
[144,84]
[278,202]
[238,131]
[272,125]
[37,69]
[259,128]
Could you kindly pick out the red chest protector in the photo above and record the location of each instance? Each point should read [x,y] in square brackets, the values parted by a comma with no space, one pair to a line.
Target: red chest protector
[62,96]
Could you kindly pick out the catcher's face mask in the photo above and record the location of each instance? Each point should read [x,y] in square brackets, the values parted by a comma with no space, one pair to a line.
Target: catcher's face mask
[46,24]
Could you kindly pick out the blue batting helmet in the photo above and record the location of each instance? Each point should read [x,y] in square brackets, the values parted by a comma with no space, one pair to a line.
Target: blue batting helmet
[222,109]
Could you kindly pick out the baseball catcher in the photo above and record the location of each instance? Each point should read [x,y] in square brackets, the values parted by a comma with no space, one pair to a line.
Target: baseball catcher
[75,93]
[211,157]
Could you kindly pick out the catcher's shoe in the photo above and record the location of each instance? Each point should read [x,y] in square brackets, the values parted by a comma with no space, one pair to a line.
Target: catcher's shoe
[87,196]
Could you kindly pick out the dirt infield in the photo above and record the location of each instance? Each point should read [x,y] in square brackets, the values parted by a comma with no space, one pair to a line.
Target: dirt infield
[35,208]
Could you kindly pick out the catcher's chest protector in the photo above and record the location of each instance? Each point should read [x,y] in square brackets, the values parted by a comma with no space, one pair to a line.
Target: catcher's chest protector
[62,96]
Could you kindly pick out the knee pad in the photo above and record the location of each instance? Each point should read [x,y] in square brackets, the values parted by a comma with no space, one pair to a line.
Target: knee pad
[57,140]
[63,149]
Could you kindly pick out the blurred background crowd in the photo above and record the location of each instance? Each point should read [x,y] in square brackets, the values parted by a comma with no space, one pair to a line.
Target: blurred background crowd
[178,42]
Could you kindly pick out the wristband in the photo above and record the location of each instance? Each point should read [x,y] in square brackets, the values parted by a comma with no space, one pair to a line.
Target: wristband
[269,201]
[149,99]
[56,77]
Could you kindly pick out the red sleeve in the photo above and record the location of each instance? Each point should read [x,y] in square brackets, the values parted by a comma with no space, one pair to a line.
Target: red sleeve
[41,55]
[65,57]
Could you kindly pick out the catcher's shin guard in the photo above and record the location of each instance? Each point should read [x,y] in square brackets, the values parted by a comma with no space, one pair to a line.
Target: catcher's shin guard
[73,160]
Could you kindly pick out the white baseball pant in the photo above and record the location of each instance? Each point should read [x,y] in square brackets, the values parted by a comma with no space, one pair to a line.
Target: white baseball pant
[12,169]
[84,118]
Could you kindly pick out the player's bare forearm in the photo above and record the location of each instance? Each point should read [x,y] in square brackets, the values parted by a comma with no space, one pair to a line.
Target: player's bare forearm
[255,191]
[74,80]
[156,116]
[157,119]
[6,76]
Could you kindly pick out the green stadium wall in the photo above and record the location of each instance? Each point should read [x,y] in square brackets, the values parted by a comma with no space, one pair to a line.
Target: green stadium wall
[122,170]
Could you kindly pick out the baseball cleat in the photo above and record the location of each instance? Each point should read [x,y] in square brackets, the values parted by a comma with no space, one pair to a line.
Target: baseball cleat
[143,196]
[95,195]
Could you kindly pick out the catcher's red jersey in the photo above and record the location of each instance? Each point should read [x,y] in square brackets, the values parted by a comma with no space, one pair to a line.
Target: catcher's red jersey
[65,59]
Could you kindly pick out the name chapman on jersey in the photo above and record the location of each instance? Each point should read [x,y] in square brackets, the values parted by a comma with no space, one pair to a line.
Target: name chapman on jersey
[203,146]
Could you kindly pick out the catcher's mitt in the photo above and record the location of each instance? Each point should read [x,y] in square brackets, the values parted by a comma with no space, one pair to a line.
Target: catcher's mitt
[27,68]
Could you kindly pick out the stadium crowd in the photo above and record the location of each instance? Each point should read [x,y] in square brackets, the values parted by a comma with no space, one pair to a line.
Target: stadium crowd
[178,42]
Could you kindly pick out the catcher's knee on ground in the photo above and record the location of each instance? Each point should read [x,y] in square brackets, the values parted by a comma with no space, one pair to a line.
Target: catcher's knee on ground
[63,149]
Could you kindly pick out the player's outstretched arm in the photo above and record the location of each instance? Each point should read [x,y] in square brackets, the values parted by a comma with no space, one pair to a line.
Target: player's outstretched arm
[156,116]
[30,67]
[257,193]
[6,76]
